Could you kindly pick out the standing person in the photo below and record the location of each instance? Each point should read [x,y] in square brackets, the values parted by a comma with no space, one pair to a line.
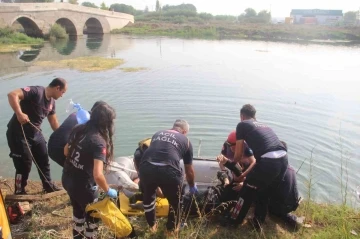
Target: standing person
[90,146]
[266,168]
[31,105]
[59,137]
[160,167]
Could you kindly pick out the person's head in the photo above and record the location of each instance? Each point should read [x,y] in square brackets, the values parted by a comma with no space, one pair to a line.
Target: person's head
[57,88]
[247,112]
[182,126]
[231,140]
[97,103]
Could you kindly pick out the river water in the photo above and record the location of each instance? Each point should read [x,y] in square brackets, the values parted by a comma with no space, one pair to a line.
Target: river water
[307,93]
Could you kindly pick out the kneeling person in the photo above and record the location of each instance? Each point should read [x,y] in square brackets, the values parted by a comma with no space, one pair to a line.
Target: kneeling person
[160,167]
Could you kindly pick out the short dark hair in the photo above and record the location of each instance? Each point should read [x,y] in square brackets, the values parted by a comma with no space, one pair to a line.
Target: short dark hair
[248,110]
[58,82]
[285,144]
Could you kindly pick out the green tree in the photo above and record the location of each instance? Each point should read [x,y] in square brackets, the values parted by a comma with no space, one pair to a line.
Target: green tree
[264,16]
[249,12]
[89,4]
[350,16]
[75,2]
[146,10]
[103,6]
[119,7]
[158,8]
[181,7]
[206,16]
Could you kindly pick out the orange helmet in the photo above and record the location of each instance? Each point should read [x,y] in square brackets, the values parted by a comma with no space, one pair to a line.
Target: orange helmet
[232,137]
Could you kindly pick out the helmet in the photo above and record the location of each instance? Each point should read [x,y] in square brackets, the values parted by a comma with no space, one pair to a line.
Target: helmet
[232,137]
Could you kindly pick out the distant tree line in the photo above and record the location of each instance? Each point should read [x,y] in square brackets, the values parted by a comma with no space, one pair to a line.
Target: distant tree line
[184,13]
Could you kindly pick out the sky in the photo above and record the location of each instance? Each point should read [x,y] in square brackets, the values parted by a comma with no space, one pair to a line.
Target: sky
[279,8]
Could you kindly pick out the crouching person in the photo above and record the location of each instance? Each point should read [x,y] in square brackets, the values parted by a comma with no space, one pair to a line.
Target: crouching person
[160,167]
[88,149]
[285,198]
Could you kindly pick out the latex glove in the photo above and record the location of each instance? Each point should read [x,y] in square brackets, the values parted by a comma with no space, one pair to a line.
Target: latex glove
[193,190]
[112,193]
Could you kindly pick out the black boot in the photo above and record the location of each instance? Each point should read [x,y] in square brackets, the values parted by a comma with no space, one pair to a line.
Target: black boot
[49,188]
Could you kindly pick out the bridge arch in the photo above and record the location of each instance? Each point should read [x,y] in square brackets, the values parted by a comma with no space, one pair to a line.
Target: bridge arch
[30,27]
[93,26]
[68,25]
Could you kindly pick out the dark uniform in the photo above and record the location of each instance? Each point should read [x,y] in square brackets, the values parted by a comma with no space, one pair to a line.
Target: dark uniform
[270,168]
[160,167]
[285,198]
[78,179]
[59,138]
[37,107]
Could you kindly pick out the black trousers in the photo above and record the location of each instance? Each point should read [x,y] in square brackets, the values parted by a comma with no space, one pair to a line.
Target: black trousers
[170,181]
[22,158]
[80,196]
[266,173]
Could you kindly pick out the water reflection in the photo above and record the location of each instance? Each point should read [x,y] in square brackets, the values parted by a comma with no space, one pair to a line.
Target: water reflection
[64,49]
[28,56]
[94,41]
[64,46]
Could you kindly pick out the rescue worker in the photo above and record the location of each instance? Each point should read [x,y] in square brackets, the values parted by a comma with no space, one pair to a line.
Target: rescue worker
[31,105]
[59,137]
[284,198]
[160,167]
[89,148]
[266,169]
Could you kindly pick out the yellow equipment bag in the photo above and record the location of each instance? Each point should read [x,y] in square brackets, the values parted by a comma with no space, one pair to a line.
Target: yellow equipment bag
[4,222]
[111,216]
[161,207]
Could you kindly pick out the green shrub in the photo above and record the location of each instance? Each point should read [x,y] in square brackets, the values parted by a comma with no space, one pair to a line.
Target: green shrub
[57,31]
[5,32]
[9,36]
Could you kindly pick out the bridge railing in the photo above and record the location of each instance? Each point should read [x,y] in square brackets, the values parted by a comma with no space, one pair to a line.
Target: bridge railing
[29,7]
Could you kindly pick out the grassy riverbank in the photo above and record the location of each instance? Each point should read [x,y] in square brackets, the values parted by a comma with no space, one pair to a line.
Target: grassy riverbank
[252,31]
[12,41]
[52,219]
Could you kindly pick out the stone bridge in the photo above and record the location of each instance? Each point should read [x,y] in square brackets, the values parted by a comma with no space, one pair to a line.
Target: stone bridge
[37,18]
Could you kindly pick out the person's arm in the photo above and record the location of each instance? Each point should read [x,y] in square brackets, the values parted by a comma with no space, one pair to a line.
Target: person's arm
[189,169]
[190,174]
[14,98]
[99,175]
[239,150]
[54,123]
[66,150]
[252,162]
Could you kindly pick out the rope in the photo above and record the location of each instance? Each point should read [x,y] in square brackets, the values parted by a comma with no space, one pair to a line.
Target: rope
[33,159]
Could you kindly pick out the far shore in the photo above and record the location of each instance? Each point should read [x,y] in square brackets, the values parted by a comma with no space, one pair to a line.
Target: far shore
[251,31]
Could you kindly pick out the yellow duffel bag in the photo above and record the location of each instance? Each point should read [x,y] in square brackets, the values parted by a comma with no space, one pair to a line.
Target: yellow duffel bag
[111,216]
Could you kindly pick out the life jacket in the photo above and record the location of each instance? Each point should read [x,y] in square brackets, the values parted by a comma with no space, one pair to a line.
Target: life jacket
[144,144]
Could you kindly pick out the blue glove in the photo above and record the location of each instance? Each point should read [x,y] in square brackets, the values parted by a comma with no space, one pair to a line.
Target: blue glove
[193,190]
[112,193]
